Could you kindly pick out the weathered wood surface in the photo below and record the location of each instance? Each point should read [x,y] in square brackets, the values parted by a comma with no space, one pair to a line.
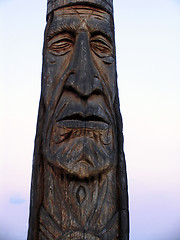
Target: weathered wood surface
[79,186]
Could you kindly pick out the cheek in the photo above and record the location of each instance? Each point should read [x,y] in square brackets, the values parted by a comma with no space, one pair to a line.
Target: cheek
[52,74]
[107,74]
[108,71]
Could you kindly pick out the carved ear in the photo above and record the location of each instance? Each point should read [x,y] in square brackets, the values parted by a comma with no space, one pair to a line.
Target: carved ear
[122,176]
[37,177]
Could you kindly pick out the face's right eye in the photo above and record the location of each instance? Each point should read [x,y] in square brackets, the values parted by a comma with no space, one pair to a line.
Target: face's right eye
[61,44]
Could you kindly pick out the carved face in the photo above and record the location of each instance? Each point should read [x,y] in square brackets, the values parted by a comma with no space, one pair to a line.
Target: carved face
[78,90]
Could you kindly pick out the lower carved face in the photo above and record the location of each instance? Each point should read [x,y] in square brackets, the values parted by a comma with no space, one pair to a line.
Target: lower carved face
[79,84]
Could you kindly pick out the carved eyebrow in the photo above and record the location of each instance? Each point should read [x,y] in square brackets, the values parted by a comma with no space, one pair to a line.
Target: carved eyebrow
[71,28]
[97,28]
[62,26]
[96,31]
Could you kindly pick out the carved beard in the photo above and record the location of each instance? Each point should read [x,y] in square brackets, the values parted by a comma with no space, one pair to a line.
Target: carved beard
[78,209]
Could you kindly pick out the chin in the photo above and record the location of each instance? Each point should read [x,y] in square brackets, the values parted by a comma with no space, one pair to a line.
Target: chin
[82,157]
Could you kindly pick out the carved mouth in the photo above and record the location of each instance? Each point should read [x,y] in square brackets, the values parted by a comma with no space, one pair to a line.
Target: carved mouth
[83,121]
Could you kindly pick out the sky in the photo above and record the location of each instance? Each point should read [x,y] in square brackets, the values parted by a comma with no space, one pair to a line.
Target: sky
[148,66]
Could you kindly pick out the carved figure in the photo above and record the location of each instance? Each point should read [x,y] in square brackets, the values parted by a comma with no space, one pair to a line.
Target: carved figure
[79,185]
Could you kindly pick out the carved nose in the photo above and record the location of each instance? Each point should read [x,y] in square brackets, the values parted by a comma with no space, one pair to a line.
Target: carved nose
[84,78]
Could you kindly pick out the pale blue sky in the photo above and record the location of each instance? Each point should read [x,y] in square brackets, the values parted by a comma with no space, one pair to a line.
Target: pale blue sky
[148,64]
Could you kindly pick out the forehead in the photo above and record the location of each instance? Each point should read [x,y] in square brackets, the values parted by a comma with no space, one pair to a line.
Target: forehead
[72,18]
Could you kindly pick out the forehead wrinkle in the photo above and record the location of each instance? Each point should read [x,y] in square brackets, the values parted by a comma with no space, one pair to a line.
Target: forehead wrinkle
[92,11]
[69,19]
[98,14]
[82,19]
[65,22]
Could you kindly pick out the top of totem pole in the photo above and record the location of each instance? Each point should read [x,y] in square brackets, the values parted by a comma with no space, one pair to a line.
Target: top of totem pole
[107,5]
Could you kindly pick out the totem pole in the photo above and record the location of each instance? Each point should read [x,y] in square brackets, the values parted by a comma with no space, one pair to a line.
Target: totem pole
[79,183]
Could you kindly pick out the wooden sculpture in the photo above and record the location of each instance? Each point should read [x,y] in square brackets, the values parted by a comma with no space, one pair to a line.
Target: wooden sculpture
[79,184]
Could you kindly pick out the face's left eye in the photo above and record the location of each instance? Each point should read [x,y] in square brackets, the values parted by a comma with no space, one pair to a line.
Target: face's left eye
[101,46]
[61,44]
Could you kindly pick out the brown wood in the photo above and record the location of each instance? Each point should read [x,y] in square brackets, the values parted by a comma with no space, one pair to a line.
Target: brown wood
[79,184]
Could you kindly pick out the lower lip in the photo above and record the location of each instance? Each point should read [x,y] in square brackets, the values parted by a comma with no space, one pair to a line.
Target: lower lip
[76,124]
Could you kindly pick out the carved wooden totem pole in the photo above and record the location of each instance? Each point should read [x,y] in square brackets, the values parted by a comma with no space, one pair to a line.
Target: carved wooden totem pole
[79,183]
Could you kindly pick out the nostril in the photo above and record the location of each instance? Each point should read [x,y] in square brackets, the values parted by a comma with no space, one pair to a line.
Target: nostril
[97,92]
[70,80]
[76,92]
[84,98]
